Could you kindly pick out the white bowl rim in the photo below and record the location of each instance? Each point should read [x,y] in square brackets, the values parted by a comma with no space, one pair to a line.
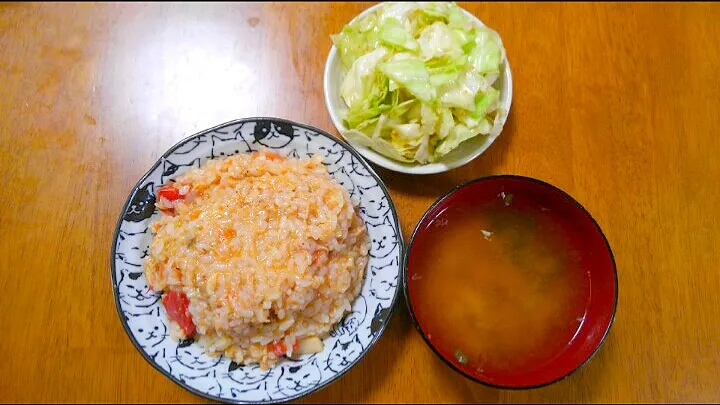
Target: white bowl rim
[430,168]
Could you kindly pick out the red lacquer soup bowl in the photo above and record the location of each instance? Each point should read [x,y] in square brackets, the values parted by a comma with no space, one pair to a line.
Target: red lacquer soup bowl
[511,282]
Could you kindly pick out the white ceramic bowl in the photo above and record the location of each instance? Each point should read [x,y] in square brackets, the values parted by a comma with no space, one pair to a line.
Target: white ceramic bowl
[463,154]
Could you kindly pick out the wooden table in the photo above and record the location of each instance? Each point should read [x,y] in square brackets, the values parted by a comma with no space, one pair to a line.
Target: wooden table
[615,103]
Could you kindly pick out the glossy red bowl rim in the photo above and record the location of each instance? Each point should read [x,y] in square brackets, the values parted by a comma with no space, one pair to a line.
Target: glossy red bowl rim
[416,323]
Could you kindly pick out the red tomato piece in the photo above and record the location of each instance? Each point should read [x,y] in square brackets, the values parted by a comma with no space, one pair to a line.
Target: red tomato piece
[176,305]
[279,348]
[169,192]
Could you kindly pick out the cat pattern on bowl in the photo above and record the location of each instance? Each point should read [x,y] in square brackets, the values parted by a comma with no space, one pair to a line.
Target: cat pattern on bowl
[343,353]
[150,328]
[248,375]
[193,358]
[298,378]
[273,135]
[134,290]
[142,204]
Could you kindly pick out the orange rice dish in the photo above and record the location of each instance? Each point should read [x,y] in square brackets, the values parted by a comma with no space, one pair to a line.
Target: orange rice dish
[257,256]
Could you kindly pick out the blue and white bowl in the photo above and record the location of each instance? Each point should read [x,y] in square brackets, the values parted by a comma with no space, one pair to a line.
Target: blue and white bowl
[218,378]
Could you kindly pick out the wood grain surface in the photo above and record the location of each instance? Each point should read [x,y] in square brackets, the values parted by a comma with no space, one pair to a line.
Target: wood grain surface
[615,103]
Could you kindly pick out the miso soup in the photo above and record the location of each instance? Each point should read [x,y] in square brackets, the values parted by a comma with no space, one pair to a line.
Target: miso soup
[497,287]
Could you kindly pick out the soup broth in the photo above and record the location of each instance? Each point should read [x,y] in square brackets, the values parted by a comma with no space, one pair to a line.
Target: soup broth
[500,285]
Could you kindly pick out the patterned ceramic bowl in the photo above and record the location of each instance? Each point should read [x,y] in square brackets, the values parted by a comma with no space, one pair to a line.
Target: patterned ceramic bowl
[219,378]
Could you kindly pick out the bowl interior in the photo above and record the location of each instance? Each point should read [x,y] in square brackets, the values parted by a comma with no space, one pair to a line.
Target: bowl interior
[585,240]
[463,154]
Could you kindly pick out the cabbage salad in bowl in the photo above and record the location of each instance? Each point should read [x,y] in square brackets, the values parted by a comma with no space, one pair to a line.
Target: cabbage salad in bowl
[419,80]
